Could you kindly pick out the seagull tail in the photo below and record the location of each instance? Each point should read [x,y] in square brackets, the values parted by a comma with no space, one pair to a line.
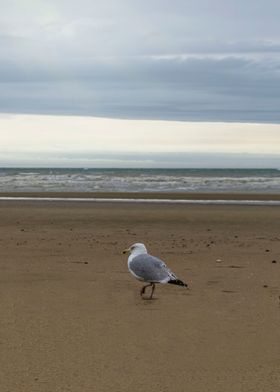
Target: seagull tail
[178,282]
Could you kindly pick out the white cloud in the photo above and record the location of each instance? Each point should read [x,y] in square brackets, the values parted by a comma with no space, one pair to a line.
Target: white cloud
[71,134]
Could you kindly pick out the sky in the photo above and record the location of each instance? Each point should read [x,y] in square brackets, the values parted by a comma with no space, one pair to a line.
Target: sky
[184,83]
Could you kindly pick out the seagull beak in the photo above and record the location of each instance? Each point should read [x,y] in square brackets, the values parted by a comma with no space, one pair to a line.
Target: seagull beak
[125,251]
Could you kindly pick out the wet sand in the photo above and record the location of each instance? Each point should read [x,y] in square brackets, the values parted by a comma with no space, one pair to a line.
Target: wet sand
[72,318]
[149,195]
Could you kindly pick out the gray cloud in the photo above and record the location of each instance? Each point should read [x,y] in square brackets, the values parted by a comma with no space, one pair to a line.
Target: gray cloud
[184,60]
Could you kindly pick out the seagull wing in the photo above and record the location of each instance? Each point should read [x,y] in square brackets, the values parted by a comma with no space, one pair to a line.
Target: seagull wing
[150,269]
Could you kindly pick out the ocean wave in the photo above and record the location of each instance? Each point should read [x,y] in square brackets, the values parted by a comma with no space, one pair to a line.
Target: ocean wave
[124,180]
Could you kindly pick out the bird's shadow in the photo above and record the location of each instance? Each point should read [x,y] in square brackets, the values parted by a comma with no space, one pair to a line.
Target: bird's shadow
[150,305]
[148,299]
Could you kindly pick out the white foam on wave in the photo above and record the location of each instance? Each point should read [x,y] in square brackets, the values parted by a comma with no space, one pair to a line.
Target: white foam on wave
[156,201]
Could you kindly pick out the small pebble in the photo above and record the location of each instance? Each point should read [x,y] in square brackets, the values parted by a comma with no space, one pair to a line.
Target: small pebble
[267,250]
[274,261]
[265,286]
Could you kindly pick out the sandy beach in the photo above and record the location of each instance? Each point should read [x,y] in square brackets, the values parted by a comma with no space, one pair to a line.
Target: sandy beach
[72,318]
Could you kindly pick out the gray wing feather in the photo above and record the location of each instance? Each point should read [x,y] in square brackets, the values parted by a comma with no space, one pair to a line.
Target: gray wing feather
[150,268]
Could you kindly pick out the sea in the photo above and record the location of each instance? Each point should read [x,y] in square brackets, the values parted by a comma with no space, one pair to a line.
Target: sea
[140,180]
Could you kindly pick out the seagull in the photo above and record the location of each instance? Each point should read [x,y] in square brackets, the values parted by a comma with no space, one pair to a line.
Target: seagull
[147,268]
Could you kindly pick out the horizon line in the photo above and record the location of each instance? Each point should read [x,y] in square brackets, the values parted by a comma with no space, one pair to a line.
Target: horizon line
[140,168]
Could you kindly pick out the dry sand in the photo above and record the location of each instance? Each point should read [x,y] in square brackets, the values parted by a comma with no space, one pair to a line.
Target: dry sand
[72,318]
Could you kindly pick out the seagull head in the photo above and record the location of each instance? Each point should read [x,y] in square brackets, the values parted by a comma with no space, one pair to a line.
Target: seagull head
[136,249]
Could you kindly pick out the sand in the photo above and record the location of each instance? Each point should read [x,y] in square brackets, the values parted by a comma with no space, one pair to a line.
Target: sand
[72,318]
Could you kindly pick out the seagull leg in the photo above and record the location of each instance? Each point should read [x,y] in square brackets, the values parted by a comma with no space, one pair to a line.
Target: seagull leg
[153,289]
[144,288]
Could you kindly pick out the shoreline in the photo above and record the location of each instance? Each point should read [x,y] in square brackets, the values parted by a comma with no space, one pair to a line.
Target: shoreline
[259,199]
[146,195]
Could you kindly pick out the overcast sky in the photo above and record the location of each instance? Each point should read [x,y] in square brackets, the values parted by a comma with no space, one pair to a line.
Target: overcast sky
[197,61]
